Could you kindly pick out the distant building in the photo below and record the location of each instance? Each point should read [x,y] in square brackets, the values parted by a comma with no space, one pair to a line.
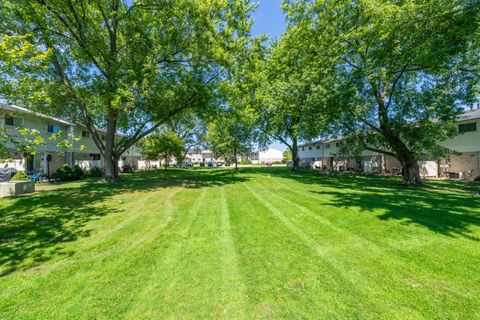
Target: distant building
[325,154]
[200,156]
[269,155]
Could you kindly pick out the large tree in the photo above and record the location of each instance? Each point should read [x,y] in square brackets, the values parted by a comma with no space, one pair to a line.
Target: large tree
[287,97]
[399,81]
[126,66]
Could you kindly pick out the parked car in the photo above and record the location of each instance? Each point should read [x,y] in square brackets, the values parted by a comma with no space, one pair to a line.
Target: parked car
[187,164]
[202,164]
[268,164]
[127,169]
[219,163]
[227,163]
[210,164]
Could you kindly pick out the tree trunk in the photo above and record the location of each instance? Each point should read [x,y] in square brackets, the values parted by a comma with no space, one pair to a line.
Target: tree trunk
[235,158]
[410,170]
[408,160]
[110,168]
[295,157]
[110,173]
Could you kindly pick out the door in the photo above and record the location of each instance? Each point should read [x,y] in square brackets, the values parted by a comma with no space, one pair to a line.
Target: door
[30,163]
[428,168]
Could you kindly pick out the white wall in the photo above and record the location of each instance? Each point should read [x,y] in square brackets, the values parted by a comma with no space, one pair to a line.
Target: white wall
[270,155]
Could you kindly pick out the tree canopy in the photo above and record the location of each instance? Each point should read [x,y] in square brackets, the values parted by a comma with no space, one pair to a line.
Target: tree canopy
[398,77]
[126,66]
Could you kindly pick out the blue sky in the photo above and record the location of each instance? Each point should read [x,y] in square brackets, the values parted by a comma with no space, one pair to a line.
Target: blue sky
[269,19]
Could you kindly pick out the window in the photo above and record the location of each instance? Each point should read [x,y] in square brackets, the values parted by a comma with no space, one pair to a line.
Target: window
[303,148]
[53,128]
[103,137]
[318,147]
[94,156]
[467,127]
[309,148]
[13,121]
[85,134]
[327,146]
[338,144]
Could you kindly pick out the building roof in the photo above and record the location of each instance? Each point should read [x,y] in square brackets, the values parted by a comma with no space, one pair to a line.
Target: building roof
[470,115]
[14,108]
[320,142]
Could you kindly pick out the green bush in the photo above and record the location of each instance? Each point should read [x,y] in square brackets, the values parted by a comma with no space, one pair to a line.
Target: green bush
[277,162]
[95,172]
[68,173]
[19,176]
[246,162]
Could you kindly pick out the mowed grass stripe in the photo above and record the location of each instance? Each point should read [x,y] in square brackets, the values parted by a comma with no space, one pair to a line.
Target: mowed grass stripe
[233,297]
[347,254]
[282,270]
[115,240]
[381,261]
[149,303]
[117,269]
[327,254]
[192,282]
[194,237]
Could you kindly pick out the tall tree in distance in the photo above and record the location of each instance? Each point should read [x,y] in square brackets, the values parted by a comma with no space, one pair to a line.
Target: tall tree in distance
[230,136]
[191,129]
[126,66]
[287,98]
[397,69]
[163,145]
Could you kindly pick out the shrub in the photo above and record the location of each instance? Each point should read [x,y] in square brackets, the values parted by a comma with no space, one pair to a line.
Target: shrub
[19,176]
[95,172]
[68,173]
[246,162]
[277,162]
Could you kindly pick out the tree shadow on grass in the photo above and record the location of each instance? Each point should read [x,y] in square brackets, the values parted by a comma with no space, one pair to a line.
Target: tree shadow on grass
[33,227]
[447,208]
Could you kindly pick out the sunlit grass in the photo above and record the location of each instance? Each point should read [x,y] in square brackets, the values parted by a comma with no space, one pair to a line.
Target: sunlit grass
[260,243]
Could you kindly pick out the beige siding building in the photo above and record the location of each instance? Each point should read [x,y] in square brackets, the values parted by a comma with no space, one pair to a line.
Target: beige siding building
[84,153]
[465,163]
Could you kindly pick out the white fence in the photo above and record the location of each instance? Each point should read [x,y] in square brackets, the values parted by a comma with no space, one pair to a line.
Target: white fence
[88,164]
[17,164]
[145,165]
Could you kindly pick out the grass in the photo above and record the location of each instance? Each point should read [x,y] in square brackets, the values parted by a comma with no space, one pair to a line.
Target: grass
[260,243]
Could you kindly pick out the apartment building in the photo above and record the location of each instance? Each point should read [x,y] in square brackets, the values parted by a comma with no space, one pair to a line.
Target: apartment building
[50,156]
[465,164]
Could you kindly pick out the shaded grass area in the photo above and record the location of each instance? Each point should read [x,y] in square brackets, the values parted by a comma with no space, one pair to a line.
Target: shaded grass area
[258,243]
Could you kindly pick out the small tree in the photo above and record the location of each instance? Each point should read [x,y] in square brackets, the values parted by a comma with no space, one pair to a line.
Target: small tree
[191,129]
[230,135]
[287,155]
[164,145]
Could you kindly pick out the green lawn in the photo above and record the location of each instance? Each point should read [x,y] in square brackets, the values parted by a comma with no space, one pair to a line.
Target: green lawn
[261,243]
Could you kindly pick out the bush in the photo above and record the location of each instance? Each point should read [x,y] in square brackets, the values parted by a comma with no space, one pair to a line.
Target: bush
[277,162]
[68,173]
[19,176]
[94,172]
[246,162]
